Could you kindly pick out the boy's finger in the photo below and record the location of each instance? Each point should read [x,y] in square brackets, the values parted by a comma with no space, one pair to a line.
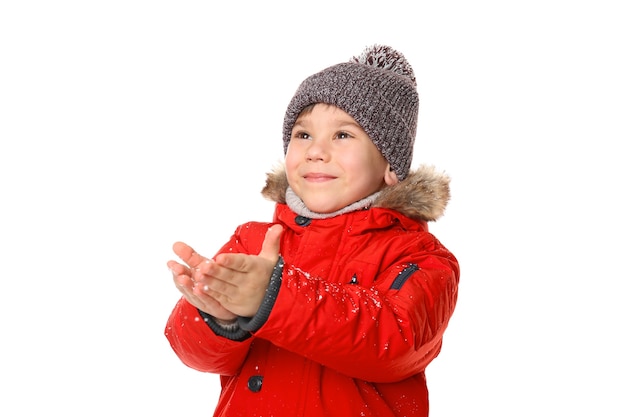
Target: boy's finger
[188,255]
[177,269]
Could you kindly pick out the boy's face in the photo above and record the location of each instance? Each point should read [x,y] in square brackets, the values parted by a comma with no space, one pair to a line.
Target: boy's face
[331,162]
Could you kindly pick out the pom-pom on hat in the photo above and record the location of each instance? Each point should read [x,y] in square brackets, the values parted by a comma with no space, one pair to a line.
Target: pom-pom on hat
[376,88]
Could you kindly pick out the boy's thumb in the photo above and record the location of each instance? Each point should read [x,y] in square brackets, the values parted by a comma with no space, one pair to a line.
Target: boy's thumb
[271,244]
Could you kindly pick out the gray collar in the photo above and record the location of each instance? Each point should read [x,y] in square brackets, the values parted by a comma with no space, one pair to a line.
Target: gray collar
[296,204]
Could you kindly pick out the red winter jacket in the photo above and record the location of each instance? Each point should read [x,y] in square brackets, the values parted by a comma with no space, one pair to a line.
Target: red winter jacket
[354,313]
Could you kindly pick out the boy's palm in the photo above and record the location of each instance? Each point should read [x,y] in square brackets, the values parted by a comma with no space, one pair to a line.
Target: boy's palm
[232,285]
[238,281]
[186,284]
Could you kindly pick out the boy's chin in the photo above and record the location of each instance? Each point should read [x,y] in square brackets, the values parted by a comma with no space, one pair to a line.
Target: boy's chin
[316,207]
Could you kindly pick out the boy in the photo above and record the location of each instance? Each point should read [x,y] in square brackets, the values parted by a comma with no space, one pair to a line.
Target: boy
[337,306]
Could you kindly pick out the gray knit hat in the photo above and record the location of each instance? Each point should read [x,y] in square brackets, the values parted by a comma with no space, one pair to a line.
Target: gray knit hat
[378,90]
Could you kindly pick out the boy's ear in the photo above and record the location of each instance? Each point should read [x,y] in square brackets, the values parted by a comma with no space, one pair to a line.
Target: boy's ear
[390,177]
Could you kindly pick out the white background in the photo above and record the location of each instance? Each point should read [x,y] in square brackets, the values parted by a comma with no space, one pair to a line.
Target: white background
[128,125]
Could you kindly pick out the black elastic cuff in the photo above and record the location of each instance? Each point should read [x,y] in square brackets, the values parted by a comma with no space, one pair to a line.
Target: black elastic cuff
[252,324]
[237,334]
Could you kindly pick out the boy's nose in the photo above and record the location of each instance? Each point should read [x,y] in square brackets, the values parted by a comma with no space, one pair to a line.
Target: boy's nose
[317,151]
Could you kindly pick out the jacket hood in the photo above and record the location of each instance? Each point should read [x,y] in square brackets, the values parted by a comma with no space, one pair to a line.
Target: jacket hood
[422,195]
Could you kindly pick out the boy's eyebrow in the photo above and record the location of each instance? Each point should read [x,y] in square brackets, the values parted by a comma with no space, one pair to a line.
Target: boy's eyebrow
[301,121]
[297,123]
[349,123]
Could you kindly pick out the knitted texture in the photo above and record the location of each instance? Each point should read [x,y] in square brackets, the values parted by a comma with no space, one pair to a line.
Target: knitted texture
[378,90]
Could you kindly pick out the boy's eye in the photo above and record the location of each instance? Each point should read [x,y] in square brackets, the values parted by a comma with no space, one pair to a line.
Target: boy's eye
[343,135]
[301,135]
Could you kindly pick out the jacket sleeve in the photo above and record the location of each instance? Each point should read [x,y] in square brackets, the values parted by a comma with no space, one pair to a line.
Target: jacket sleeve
[197,339]
[380,333]
[198,346]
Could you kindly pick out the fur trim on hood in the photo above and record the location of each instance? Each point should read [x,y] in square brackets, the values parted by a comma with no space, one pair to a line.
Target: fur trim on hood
[422,195]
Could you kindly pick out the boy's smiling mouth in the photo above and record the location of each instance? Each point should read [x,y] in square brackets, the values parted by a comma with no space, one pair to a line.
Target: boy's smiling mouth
[318,177]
